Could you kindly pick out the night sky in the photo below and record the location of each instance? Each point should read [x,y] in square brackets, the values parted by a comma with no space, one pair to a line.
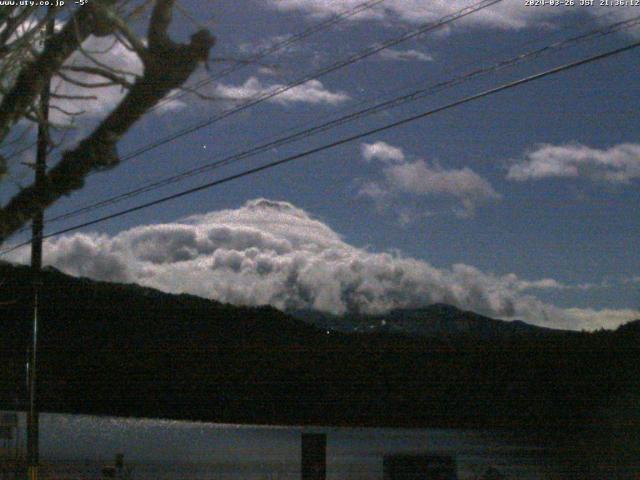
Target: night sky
[520,205]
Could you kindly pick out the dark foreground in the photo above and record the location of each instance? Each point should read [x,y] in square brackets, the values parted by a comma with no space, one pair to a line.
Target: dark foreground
[76,446]
[124,350]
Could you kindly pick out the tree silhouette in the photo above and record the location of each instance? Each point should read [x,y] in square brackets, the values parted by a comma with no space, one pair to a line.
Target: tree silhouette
[29,59]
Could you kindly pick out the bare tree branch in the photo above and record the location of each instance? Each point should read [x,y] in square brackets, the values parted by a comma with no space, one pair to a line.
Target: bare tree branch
[83,84]
[168,65]
[73,97]
[139,10]
[13,23]
[32,78]
[66,112]
[103,65]
[109,75]
[103,51]
[36,117]
[159,25]
[129,39]
[199,94]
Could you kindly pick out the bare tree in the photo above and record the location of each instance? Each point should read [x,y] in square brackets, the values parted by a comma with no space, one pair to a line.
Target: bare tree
[28,61]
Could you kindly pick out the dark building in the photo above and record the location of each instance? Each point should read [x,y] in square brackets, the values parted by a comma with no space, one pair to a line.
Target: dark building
[419,467]
[314,456]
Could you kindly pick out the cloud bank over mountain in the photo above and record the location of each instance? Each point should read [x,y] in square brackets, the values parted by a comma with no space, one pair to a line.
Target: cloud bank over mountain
[271,252]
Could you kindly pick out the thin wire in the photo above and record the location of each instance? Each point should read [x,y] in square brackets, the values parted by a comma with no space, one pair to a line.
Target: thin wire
[274,48]
[443,21]
[468,99]
[286,42]
[331,68]
[258,56]
[383,106]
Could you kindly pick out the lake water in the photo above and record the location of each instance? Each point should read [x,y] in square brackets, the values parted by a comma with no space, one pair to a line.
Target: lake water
[78,446]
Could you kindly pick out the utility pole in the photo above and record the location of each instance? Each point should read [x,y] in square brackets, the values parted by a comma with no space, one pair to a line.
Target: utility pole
[33,419]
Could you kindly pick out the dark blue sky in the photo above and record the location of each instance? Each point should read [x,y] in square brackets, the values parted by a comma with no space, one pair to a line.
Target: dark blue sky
[540,181]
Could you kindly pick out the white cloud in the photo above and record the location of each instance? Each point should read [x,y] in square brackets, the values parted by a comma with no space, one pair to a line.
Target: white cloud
[506,14]
[382,151]
[591,319]
[551,284]
[108,52]
[312,92]
[269,252]
[542,284]
[78,109]
[619,164]
[171,102]
[375,191]
[405,55]
[620,14]
[419,178]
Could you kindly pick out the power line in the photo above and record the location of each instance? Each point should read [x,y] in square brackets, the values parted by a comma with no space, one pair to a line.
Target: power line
[446,20]
[468,99]
[275,47]
[271,49]
[383,106]
[376,48]
[258,56]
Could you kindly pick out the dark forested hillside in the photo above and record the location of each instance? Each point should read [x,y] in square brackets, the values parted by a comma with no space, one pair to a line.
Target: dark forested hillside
[128,350]
[437,320]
